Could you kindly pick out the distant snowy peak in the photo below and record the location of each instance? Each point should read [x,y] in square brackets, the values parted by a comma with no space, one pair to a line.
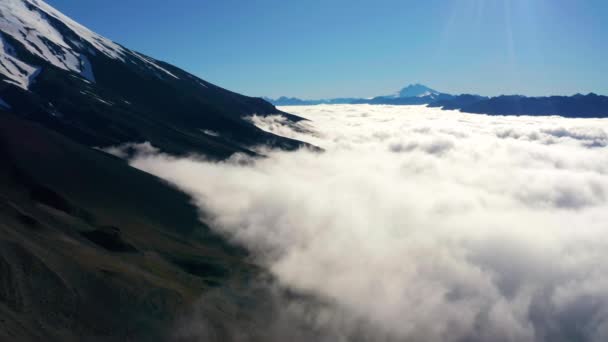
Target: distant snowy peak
[416,90]
[46,33]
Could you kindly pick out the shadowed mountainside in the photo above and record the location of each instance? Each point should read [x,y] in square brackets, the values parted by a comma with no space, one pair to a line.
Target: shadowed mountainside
[92,249]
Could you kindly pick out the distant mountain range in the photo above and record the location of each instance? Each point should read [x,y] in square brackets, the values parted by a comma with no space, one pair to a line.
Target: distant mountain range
[412,94]
[576,106]
[294,101]
[591,105]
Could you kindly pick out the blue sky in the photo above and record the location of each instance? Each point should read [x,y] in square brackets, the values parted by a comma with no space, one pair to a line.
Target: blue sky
[331,48]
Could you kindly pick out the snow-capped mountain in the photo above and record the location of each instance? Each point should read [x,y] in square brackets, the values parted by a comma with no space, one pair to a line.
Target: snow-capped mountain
[48,34]
[413,94]
[415,90]
[55,71]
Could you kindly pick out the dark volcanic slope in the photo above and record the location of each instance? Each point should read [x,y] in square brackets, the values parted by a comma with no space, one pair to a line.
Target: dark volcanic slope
[94,250]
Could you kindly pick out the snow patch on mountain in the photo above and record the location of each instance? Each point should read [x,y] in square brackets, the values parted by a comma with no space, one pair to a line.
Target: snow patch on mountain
[96,97]
[48,34]
[415,90]
[32,27]
[151,62]
[211,133]
[16,72]
[104,45]
[426,93]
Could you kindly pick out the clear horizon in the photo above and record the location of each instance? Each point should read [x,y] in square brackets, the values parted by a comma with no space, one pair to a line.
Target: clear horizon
[342,49]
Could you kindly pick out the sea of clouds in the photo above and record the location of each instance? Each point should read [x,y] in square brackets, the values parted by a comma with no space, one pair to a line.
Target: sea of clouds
[417,224]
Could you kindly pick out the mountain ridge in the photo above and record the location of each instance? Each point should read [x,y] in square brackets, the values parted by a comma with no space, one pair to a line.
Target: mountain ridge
[578,105]
[57,72]
[423,94]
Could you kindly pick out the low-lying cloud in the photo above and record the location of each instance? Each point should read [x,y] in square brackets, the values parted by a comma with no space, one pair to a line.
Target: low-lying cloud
[426,225]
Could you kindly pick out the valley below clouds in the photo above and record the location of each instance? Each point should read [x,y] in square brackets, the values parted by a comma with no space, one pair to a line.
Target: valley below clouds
[417,224]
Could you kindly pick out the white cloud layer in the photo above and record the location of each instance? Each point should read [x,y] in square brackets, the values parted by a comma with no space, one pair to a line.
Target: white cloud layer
[427,225]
